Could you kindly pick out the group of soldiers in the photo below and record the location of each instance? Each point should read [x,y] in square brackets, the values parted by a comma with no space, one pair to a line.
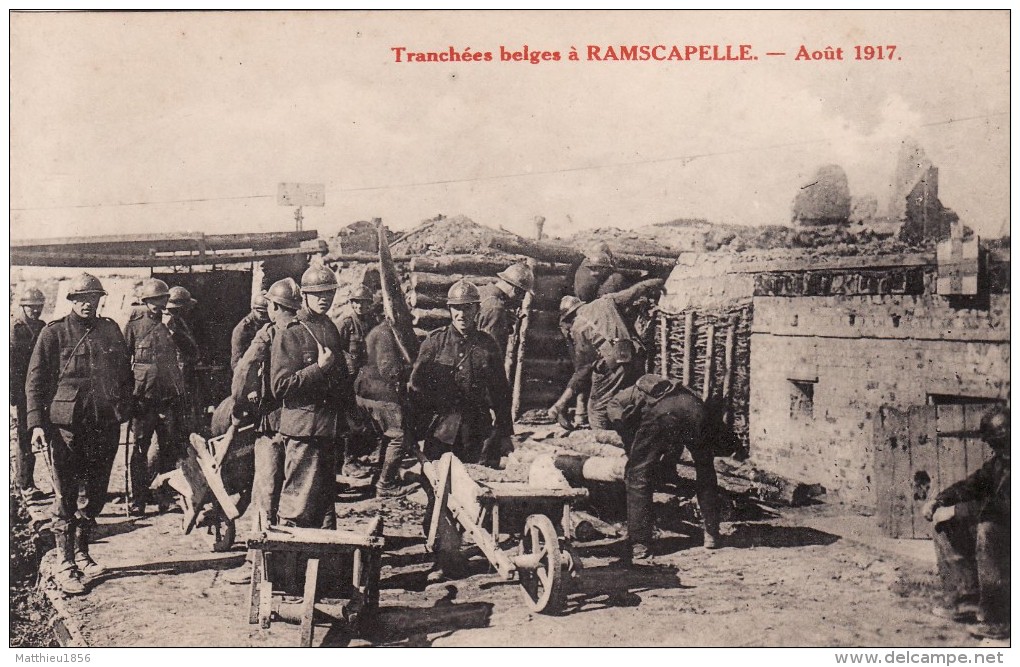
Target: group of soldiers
[321,394]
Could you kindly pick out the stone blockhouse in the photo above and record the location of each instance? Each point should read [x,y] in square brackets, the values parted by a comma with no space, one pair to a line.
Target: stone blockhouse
[834,344]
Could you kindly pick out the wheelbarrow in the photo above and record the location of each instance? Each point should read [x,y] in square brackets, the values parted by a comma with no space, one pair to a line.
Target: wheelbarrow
[214,482]
[496,514]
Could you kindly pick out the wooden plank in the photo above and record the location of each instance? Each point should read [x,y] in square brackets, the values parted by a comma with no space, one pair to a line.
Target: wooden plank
[501,491]
[977,451]
[208,465]
[442,489]
[308,602]
[257,568]
[172,241]
[952,451]
[889,435]
[923,465]
[902,481]
[94,260]
[283,537]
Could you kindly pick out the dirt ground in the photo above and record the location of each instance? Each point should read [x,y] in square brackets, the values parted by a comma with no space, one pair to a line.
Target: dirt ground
[785,578]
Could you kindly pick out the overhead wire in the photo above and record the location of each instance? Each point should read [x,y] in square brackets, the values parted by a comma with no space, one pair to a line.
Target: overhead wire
[520,174]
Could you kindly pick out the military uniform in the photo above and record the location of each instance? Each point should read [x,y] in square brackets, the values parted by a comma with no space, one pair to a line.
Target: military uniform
[381,387]
[497,316]
[24,332]
[609,346]
[656,420]
[187,359]
[242,335]
[354,329]
[316,407]
[459,379]
[251,381]
[78,390]
[159,402]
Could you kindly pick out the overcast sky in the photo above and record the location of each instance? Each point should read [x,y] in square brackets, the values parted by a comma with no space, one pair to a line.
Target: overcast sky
[112,109]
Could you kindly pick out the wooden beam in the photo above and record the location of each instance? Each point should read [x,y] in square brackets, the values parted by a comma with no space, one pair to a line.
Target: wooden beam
[168,242]
[71,258]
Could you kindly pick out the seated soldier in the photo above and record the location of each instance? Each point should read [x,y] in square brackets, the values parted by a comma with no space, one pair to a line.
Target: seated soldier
[972,538]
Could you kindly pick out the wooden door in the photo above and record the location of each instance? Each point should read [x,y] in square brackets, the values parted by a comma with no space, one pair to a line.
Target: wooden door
[918,453]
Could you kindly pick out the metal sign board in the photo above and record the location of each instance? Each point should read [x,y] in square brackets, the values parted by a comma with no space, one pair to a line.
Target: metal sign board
[301,194]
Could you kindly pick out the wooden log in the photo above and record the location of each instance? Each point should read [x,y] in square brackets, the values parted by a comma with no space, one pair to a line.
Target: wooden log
[409,621]
[438,283]
[365,258]
[706,389]
[540,395]
[283,538]
[425,300]
[550,252]
[589,448]
[581,468]
[688,375]
[432,314]
[477,265]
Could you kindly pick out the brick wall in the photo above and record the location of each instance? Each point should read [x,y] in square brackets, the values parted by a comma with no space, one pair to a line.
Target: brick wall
[822,366]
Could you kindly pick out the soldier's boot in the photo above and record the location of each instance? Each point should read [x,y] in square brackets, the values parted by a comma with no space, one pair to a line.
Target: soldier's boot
[708,503]
[388,485]
[67,576]
[89,568]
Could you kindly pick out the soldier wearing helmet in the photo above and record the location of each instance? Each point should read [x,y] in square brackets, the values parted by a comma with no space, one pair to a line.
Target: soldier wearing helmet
[25,328]
[972,538]
[245,330]
[608,352]
[458,385]
[160,392]
[596,275]
[354,327]
[310,378]
[500,303]
[78,391]
[253,403]
[459,375]
[177,308]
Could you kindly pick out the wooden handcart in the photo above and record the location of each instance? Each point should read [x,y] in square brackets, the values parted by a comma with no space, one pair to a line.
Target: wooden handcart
[340,583]
[215,482]
[495,514]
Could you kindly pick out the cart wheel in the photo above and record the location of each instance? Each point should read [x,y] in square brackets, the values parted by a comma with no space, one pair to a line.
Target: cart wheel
[545,587]
[224,532]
